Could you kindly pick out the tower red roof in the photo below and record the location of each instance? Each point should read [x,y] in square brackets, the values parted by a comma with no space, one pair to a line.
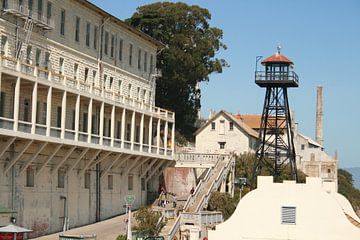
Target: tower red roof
[277,58]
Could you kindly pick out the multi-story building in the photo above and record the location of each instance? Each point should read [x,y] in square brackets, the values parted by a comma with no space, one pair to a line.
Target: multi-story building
[79,129]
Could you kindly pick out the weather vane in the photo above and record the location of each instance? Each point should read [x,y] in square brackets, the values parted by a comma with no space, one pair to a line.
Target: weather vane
[278,48]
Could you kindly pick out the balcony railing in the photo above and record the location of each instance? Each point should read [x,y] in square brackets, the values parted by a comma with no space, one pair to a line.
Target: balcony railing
[262,78]
[61,79]
[22,10]
[69,134]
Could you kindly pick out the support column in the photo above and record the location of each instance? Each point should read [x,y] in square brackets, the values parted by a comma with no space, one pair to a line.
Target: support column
[16,104]
[101,124]
[158,137]
[63,114]
[89,127]
[173,139]
[123,119]
[48,112]
[112,128]
[77,117]
[142,132]
[165,137]
[132,136]
[150,133]
[34,108]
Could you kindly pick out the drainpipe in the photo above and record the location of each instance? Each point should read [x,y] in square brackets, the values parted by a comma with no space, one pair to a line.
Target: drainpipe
[12,153]
[98,194]
[65,212]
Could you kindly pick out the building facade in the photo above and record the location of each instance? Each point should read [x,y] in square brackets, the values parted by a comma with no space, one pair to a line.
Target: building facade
[223,133]
[79,128]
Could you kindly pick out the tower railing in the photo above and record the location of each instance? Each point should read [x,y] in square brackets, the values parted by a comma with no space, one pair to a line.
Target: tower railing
[276,76]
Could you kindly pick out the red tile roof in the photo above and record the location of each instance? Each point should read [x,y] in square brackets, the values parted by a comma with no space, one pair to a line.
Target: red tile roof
[277,58]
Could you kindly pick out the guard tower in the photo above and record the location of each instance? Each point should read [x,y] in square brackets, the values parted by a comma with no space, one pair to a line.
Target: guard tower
[275,149]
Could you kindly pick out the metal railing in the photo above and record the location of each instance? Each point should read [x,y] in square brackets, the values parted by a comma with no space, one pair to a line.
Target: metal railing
[276,76]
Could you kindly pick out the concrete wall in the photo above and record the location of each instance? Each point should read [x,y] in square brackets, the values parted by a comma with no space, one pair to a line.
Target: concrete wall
[180,180]
[236,140]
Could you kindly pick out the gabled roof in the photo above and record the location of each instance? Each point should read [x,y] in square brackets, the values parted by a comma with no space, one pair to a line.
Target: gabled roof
[310,140]
[254,120]
[242,125]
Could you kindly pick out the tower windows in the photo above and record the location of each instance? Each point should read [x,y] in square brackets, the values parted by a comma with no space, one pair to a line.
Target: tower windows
[87,36]
[95,37]
[130,54]
[112,46]
[106,43]
[139,59]
[77,29]
[120,49]
[62,22]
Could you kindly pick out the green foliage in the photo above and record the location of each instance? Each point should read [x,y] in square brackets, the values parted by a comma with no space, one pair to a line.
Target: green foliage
[346,188]
[188,59]
[222,202]
[121,237]
[147,221]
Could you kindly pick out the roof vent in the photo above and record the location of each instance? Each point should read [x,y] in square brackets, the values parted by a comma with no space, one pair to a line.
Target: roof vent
[288,215]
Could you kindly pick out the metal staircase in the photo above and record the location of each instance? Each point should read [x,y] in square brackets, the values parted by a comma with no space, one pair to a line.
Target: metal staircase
[198,201]
[22,45]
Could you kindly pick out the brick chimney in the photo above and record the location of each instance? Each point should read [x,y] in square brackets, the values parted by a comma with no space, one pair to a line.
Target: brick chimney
[319,116]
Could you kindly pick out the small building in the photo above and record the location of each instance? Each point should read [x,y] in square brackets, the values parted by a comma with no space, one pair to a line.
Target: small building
[224,133]
[287,210]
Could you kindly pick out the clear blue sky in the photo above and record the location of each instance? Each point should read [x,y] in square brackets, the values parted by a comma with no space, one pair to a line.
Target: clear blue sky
[323,39]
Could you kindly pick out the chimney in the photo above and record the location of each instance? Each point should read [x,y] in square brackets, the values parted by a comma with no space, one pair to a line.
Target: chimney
[319,116]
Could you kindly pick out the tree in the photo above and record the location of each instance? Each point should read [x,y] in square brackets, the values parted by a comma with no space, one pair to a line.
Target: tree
[222,202]
[147,221]
[189,58]
[346,188]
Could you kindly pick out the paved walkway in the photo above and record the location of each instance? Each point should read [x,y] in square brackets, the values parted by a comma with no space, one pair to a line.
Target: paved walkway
[104,230]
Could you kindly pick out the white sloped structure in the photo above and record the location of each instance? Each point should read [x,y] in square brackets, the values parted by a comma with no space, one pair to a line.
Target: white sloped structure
[288,210]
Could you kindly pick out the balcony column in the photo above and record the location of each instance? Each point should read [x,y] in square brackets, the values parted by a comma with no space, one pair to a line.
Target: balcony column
[89,127]
[34,108]
[63,114]
[150,133]
[158,136]
[77,117]
[48,112]
[123,119]
[101,124]
[16,104]
[165,137]
[142,132]
[132,139]
[173,139]
[112,128]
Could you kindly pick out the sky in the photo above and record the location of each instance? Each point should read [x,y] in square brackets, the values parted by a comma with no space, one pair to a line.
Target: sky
[322,38]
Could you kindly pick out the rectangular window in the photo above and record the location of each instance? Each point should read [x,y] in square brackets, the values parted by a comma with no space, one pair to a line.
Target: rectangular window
[128,132]
[95,37]
[130,54]
[130,89]
[110,182]
[142,184]
[85,122]
[37,57]
[112,46]
[47,60]
[231,126]
[106,43]
[145,61]
[2,103]
[44,110]
[73,120]
[151,64]
[222,145]
[40,9]
[61,178]
[30,177]
[87,36]
[119,86]
[130,182]
[118,130]
[76,70]
[86,75]
[87,180]
[222,127]
[302,146]
[28,54]
[58,117]
[138,93]
[4,45]
[139,59]
[137,134]
[49,11]
[61,65]
[120,49]
[30,6]
[288,215]
[94,127]
[213,126]
[26,110]
[77,29]
[62,22]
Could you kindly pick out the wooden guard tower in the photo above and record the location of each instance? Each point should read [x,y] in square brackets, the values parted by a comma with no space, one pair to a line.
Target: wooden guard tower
[275,148]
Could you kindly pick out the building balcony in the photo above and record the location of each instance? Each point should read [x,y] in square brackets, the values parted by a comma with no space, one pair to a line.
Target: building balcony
[32,72]
[22,10]
[276,79]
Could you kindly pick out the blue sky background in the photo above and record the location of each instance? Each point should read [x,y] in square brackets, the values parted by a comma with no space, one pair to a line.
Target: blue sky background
[323,39]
